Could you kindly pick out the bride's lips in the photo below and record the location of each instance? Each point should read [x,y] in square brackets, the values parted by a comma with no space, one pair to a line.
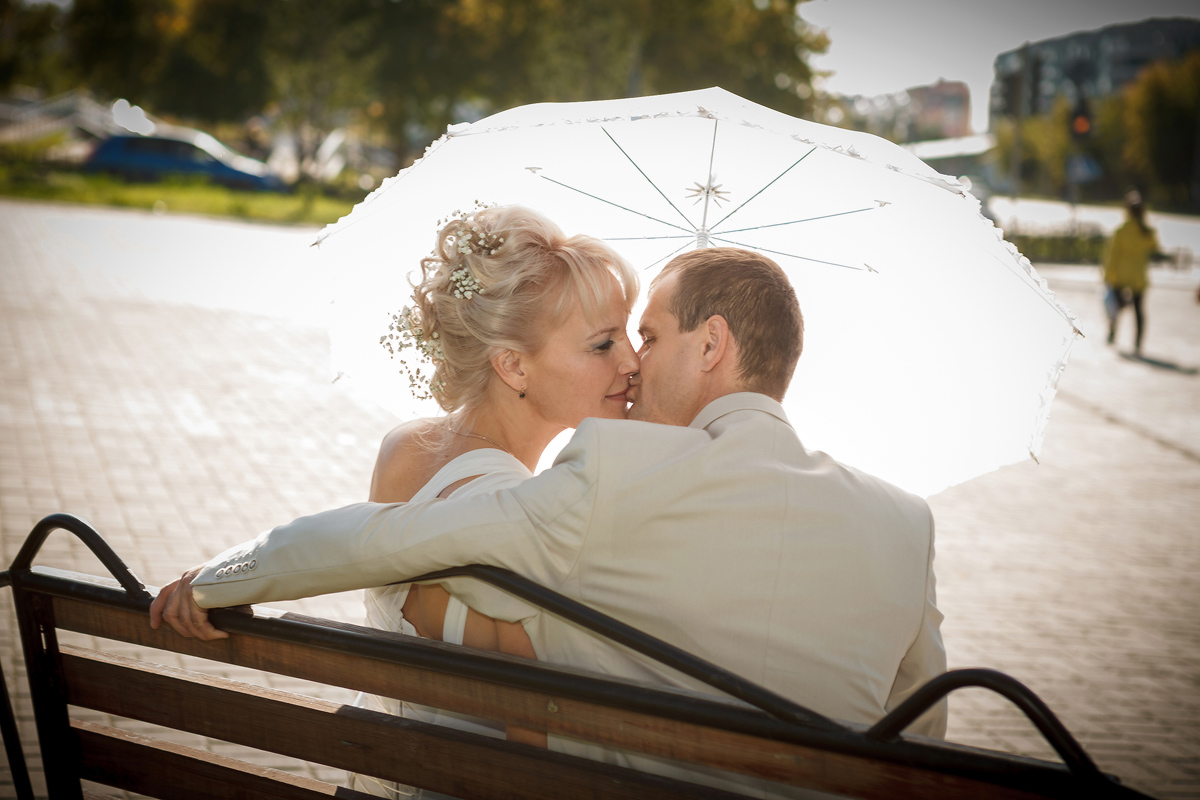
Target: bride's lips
[619,397]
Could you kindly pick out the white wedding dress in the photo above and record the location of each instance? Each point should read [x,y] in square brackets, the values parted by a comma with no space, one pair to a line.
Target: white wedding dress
[496,470]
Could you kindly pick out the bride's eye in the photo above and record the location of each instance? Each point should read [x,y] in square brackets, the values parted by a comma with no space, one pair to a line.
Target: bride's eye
[604,346]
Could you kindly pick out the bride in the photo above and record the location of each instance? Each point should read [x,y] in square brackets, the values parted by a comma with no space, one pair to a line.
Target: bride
[526,332]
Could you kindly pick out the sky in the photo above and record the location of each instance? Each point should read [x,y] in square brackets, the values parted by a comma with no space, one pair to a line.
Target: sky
[884,46]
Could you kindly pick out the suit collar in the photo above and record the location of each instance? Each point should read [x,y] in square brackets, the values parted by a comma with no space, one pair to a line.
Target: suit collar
[738,401]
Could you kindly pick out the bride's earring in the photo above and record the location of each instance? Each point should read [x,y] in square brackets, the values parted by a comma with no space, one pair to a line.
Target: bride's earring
[522,394]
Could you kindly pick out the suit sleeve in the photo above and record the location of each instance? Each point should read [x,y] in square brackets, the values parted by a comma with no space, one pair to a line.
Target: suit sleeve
[925,659]
[535,529]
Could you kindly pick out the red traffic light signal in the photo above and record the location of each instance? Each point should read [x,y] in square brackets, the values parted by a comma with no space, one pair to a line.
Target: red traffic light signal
[1081,119]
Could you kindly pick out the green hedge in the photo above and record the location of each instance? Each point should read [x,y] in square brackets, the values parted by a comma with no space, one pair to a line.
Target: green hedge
[1062,249]
[26,178]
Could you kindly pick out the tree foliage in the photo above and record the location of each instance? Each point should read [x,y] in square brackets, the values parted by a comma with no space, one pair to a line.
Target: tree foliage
[29,48]
[1146,136]
[117,47]
[404,69]
[1161,116]
[1044,147]
[565,50]
[214,68]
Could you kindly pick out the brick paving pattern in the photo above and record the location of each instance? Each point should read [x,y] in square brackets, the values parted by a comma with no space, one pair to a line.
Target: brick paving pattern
[178,430]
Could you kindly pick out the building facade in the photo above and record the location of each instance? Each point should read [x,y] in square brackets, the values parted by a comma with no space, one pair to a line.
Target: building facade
[1095,64]
[938,111]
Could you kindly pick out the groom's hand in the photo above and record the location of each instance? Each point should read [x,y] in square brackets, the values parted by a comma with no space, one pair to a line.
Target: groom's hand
[176,606]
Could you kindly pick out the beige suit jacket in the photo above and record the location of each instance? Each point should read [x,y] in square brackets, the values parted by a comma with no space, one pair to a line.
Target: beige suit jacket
[726,538]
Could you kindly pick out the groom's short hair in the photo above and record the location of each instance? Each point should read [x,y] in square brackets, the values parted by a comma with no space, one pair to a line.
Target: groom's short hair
[752,293]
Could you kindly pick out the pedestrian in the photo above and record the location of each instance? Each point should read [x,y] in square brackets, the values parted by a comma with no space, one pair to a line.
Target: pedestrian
[1125,267]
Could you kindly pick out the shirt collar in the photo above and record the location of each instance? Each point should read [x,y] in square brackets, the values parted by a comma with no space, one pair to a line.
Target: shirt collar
[738,401]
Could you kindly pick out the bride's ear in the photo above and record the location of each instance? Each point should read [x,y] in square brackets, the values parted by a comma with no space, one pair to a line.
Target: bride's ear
[507,364]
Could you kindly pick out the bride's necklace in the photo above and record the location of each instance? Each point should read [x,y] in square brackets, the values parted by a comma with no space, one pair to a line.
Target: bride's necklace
[484,438]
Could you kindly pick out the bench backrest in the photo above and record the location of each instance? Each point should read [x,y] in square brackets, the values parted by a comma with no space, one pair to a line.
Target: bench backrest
[694,729]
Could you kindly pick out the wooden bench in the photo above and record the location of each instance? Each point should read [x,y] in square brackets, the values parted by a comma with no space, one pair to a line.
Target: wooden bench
[758,735]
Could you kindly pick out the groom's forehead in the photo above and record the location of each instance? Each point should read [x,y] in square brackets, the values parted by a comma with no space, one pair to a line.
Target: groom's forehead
[654,316]
[658,301]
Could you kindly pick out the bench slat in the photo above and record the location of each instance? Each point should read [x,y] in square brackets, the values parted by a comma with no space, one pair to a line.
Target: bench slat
[781,761]
[433,756]
[156,768]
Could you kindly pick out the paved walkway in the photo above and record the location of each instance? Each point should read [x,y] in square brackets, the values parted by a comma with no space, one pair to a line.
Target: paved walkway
[178,430]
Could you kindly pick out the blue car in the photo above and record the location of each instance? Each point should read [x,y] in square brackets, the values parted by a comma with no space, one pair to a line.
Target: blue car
[180,152]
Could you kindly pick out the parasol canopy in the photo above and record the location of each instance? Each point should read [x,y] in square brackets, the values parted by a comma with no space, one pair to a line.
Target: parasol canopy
[931,347]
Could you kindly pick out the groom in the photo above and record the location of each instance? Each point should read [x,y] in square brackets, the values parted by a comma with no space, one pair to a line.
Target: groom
[716,530]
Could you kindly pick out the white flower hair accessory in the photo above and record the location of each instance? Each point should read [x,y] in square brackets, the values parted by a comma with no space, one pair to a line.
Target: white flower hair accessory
[404,333]
[464,283]
[469,238]
[407,330]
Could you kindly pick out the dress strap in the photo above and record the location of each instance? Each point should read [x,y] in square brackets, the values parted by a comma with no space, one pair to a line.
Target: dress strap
[455,623]
[480,464]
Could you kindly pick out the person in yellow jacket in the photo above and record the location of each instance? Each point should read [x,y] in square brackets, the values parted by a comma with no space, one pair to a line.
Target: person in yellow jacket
[1126,260]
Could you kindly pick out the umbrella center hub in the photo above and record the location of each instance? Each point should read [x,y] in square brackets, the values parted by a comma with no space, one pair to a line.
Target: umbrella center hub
[703,238]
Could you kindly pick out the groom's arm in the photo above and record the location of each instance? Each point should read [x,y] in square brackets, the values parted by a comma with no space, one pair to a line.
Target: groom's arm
[535,529]
[925,659]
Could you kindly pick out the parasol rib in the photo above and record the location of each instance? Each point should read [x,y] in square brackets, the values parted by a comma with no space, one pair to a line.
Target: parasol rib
[763,189]
[642,238]
[708,194]
[616,205]
[668,255]
[792,255]
[647,177]
[795,221]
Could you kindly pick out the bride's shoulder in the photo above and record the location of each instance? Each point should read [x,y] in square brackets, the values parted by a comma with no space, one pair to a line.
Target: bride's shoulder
[407,457]
[416,433]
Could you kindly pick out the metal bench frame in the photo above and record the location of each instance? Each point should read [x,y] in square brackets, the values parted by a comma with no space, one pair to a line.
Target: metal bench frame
[764,735]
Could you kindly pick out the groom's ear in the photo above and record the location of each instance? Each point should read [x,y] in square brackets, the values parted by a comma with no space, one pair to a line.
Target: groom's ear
[507,364]
[715,342]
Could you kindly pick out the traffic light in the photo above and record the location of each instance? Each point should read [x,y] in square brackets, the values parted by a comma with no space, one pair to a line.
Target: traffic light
[1081,120]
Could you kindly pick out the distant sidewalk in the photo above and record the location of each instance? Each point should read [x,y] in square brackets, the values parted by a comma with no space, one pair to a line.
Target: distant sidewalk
[1046,216]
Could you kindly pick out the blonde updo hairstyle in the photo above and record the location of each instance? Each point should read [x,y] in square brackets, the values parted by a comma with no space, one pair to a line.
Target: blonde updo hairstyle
[524,277]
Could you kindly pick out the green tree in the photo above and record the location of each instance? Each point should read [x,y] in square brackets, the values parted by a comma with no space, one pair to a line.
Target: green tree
[1107,146]
[1043,149]
[214,69]
[757,50]
[117,47]
[403,69]
[1161,115]
[564,50]
[439,63]
[1046,145]
[321,56]
[429,67]
[31,47]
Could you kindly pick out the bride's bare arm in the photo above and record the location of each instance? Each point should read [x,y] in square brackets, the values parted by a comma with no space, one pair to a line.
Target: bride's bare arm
[401,469]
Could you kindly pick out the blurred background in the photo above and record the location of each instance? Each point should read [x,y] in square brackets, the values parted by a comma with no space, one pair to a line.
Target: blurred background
[1066,101]
[165,364]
